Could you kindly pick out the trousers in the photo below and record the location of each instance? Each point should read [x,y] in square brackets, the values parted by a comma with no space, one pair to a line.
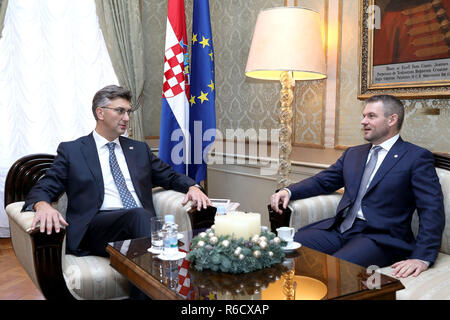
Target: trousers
[115,225]
[353,246]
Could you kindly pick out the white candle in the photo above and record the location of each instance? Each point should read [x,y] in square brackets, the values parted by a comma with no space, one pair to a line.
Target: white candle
[238,224]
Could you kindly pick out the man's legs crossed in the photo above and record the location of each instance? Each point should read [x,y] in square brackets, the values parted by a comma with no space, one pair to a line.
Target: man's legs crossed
[364,252]
[326,241]
[115,225]
[351,245]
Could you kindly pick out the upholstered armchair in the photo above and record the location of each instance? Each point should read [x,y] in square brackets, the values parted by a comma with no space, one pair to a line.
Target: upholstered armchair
[63,276]
[432,284]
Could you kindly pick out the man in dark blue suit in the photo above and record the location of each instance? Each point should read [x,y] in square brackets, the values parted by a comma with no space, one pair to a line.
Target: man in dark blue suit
[108,179]
[385,181]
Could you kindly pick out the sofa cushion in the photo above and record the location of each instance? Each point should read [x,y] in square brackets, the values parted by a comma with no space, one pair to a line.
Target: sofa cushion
[432,284]
[309,210]
[444,179]
[92,278]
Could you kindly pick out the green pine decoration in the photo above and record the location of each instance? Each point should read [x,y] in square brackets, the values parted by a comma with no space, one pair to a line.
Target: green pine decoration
[229,255]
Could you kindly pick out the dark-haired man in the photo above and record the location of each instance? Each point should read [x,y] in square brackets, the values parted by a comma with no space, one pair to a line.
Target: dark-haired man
[385,181]
[108,179]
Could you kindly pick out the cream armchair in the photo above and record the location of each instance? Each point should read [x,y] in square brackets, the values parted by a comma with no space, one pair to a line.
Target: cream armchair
[59,275]
[432,284]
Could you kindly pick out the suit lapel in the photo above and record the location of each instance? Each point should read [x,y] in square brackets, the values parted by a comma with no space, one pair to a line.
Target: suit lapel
[359,165]
[393,156]
[89,151]
[129,150]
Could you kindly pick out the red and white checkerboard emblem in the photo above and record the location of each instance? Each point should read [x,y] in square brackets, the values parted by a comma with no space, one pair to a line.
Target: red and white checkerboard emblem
[184,280]
[173,82]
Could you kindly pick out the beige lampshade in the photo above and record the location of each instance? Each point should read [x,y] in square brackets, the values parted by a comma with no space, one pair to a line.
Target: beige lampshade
[287,39]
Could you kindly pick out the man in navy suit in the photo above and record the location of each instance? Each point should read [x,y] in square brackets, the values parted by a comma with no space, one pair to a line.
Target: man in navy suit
[100,208]
[372,225]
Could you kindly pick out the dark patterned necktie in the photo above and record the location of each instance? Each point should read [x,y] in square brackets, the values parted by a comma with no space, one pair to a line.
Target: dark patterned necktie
[125,194]
[370,166]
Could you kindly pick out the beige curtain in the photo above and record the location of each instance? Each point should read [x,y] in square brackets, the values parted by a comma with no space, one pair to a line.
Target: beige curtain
[3,5]
[121,26]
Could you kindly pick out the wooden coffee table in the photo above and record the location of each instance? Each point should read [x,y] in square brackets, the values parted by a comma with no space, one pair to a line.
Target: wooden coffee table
[305,274]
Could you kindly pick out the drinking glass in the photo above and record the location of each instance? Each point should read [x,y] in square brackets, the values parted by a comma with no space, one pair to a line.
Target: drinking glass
[156,224]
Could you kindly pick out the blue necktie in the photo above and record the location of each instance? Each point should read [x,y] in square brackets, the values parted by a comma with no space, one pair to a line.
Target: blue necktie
[125,194]
[370,166]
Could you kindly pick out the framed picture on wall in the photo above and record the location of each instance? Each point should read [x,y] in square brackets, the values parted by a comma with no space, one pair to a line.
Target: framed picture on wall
[405,48]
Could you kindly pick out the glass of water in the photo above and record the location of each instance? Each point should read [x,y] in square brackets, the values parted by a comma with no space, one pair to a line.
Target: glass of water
[156,224]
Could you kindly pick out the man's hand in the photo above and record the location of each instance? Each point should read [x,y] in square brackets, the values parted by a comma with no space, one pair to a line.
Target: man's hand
[405,268]
[48,217]
[197,197]
[281,196]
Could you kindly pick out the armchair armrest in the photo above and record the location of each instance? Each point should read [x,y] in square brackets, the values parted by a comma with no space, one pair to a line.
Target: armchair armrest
[187,218]
[20,225]
[169,202]
[309,210]
[38,253]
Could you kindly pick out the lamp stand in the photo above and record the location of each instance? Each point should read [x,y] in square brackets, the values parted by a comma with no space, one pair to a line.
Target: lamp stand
[285,117]
[289,286]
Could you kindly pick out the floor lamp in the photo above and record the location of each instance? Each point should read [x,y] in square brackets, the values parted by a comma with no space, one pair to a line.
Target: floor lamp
[287,45]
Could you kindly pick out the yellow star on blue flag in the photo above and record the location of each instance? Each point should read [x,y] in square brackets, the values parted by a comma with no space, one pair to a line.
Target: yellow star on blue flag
[202,117]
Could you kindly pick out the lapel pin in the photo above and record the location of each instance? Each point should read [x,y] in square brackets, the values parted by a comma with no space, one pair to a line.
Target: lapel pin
[131,148]
[396,156]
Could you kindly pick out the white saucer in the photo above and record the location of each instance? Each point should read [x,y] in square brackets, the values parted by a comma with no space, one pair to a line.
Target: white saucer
[153,250]
[291,246]
[178,256]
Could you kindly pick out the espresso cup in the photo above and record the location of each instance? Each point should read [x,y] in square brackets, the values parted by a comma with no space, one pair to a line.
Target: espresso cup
[286,233]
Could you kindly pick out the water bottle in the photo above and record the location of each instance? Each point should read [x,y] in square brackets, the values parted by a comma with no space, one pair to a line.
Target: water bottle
[220,210]
[171,274]
[170,232]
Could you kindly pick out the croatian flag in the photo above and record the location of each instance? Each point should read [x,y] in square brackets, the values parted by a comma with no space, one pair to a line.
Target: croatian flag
[174,138]
[203,91]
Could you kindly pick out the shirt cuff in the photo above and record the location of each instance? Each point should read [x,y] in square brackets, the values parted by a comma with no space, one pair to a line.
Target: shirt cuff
[30,207]
[426,262]
[288,191]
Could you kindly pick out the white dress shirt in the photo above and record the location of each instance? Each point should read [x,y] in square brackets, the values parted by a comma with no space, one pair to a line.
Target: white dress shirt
[385,147]
[112,199]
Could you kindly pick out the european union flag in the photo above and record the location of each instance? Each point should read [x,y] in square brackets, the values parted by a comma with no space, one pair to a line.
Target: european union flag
[202,119]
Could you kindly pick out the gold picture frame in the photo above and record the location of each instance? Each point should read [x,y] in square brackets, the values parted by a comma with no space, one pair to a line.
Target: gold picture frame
[391,65]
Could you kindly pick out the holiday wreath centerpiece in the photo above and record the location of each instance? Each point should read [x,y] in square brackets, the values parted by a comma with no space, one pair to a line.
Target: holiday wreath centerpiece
[236,244]
[238,285]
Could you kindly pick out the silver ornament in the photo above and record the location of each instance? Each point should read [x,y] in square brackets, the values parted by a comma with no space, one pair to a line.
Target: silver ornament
[213,240]
[277,240]
[201,243]
[255,238]
[226,243]
[238,251]
[270,254]
[262,238]
[257,254]
[202,234]
[263,245]
[241,257]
